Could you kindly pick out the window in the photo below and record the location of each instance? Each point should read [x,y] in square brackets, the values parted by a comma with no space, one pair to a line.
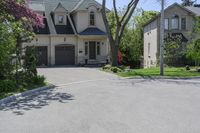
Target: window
[166,24]
[175,22]
[60,19]
[92,18]
[183,23]
[98,48]
[149,49]
[86,48]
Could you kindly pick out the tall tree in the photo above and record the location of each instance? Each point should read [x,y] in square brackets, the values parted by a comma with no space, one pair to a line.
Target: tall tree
[188,2]
[121,23]
[19,20]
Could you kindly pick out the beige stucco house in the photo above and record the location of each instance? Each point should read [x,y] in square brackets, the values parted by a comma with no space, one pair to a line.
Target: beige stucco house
[179,20]
[74,33]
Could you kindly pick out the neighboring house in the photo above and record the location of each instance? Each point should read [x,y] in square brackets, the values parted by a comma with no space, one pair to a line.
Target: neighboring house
[74,33]
[179,20]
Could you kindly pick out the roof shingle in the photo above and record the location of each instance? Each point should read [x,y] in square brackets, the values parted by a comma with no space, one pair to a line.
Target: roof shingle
[92,31]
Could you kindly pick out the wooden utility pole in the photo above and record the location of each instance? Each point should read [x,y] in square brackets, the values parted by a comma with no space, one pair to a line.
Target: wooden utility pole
[162,25]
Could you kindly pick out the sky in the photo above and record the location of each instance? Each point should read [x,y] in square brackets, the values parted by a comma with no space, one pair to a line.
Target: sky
[144,4]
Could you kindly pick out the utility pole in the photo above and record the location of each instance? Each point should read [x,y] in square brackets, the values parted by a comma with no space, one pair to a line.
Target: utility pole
[162,24]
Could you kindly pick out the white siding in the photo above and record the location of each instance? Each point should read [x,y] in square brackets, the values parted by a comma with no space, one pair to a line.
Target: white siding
[150,39]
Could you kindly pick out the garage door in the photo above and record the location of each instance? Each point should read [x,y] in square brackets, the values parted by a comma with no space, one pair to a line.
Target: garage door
[64,55]
[41,55]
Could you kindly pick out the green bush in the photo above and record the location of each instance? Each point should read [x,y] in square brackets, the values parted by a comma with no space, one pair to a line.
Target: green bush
[7,86]
[38,80]
[116,69]
[107,67]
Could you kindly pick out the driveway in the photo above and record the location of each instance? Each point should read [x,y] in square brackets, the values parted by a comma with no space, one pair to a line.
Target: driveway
[106,105]
[62,76]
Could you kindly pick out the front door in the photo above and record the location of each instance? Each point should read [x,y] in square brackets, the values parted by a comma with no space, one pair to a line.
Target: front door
[92,50]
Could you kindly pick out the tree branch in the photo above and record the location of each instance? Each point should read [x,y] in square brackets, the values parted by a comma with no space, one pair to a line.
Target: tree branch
[128,16]
[128,9]
[103,11]
[115,10]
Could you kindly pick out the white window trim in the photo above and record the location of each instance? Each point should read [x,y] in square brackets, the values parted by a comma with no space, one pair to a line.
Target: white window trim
[185,23]
[59,17]
[167,28]
[94,18]
[172,26]
[56,19]
[149,50]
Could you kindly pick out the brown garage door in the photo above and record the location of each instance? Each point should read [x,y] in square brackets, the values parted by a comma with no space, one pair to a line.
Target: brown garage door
[41,55]
[64,55]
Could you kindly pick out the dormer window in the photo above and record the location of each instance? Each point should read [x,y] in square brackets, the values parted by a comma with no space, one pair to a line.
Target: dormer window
[92,18]
[61,19]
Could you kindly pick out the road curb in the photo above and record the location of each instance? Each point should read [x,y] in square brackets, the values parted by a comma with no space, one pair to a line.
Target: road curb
[159,77]
[170,79]
[24,94]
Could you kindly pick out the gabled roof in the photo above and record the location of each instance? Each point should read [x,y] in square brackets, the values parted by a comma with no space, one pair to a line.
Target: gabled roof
[92,31]
[87,3]
[192,10]
[59,6]
[195,10]
[37,7]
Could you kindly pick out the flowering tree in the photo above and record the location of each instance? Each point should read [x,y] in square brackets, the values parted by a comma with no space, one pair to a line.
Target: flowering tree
[18,11]
[19,18]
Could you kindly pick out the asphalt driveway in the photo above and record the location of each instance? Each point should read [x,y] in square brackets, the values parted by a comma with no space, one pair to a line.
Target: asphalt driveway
[106,105]
[61,76]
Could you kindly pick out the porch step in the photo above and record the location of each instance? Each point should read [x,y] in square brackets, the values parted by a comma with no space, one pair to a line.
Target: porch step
[92,62]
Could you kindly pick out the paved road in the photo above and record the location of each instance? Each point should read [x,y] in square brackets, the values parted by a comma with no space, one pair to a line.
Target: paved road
[112,105]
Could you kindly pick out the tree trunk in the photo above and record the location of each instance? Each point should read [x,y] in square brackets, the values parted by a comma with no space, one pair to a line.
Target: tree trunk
[114,54]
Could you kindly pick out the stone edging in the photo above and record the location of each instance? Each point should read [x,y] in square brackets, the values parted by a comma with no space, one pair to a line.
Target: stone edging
[24,94]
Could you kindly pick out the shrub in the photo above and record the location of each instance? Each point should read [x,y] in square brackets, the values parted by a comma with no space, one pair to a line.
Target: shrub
[7,86]
[107,67]
[187,68]
[115,69]
[38,80]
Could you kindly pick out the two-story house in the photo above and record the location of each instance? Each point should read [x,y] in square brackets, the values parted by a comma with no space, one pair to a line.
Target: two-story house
[178,20]
[74,33]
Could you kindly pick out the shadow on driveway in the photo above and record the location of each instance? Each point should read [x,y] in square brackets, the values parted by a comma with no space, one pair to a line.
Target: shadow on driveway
[36,101]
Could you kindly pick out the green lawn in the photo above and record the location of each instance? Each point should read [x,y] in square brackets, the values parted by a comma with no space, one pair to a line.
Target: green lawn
[171,72]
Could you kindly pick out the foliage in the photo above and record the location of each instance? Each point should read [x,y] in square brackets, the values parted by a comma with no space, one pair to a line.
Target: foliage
[120,25]
[38,80]
[113,69]
[17,10]
[107,67]
[188,2]
[7,46]
[197,25]
[7,85]
[30,62]
[193,51]
[132,40]
[175,51]
[16,25]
